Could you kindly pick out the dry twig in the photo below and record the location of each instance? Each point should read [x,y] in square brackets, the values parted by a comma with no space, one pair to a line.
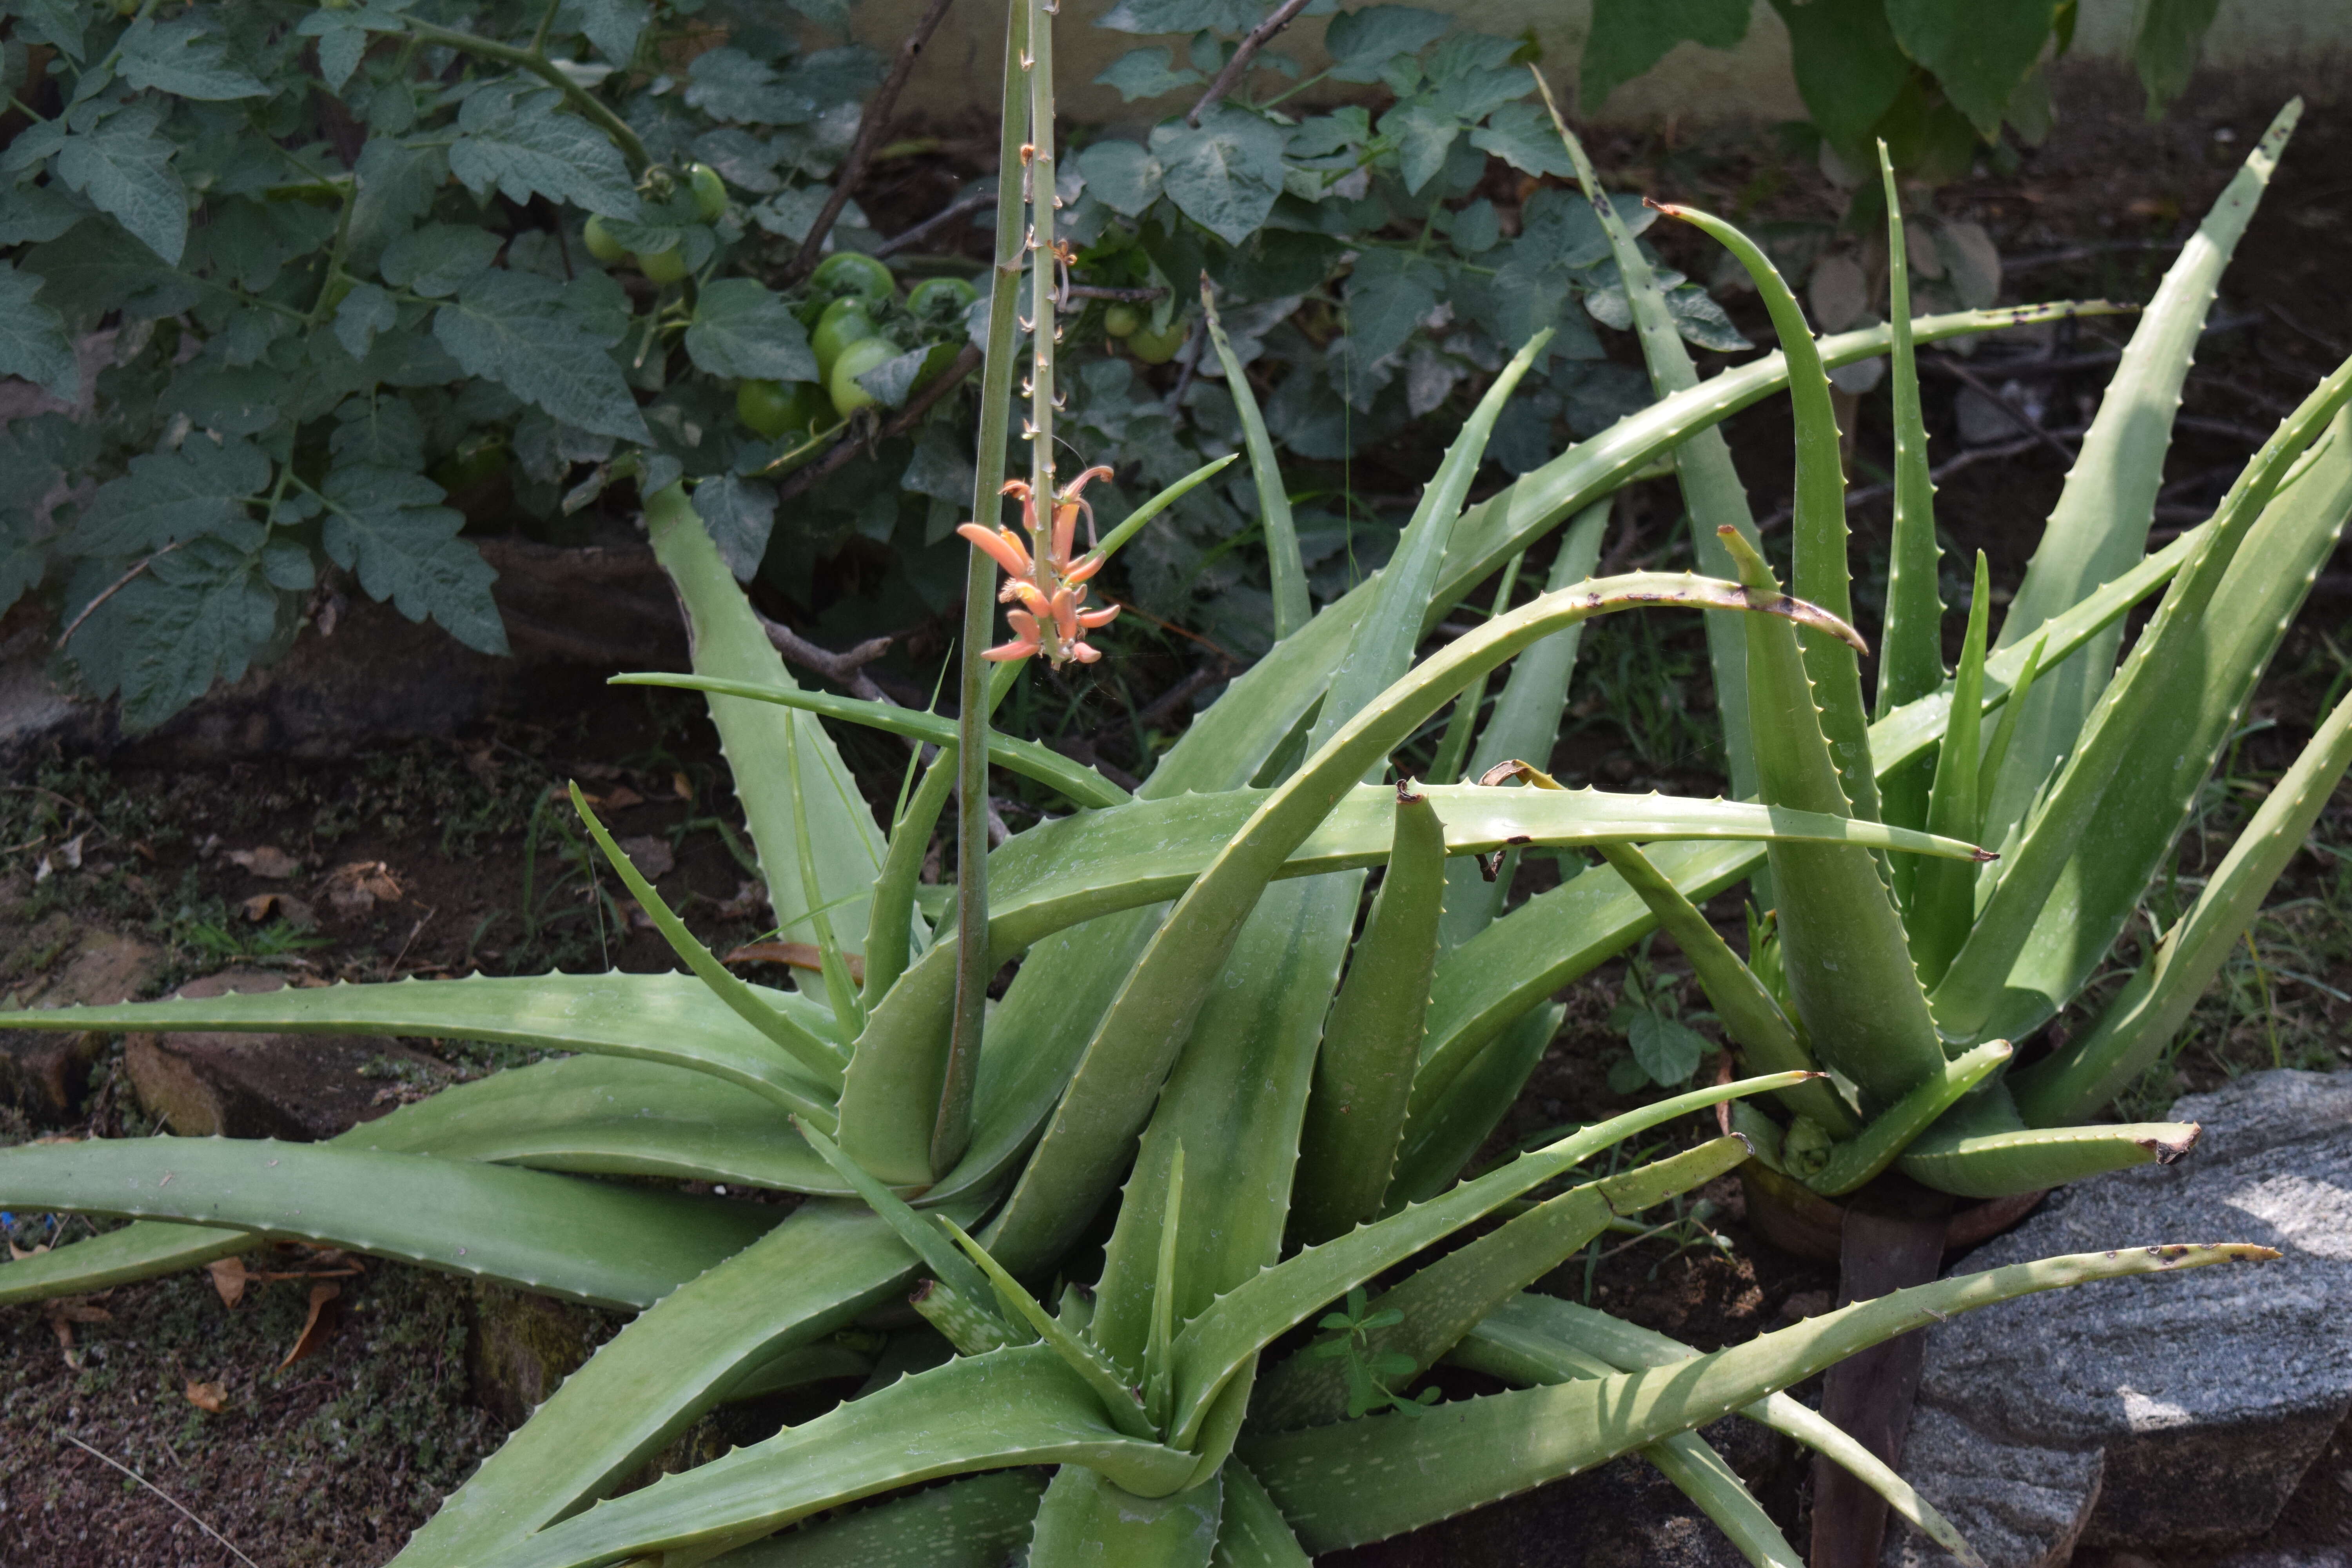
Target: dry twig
[1231,74]
[870,136]
[167,1497]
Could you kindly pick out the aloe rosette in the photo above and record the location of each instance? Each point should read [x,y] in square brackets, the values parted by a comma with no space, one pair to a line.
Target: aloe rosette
[1271,1111]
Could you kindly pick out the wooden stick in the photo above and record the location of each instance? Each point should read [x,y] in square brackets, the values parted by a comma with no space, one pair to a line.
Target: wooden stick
[861,151]
[1231,74]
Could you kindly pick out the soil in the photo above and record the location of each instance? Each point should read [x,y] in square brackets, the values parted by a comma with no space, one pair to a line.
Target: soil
[336,1457]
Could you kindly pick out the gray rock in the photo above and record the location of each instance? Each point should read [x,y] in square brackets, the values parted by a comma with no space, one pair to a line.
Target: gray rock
[2022,1506]
[2207,1394]
[2309,1557]
[46,1074]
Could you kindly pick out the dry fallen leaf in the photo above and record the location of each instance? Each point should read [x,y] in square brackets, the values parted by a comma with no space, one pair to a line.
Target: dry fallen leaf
[265,860]
[228,1278]
[358,887]
[18,1254]
[799,954]
[651,854]
[63,1312]
[319,1327]
[620,796]
[682,786]
[212,1398]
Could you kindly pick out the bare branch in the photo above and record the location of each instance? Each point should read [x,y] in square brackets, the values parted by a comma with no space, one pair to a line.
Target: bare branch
[870,136]
[1231,75]
[111,589]
[970,201]
[805,479]
[845,669]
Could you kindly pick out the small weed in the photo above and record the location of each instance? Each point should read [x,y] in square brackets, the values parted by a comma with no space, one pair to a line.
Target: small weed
[1370,1372]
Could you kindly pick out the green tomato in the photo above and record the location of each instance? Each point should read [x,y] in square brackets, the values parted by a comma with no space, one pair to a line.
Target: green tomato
[710,191]
[601,243]
[775,408]
[1122,320]
[941,302]
[845,322]
[1156,348]
[856,360]
[846,274]
[663,266]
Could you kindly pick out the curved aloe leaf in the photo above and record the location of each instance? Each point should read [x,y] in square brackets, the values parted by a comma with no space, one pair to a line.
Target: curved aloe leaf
[1712,492]
[727,642]
[1216,1344]
[1876,1147]
[613,1246]
[1538,1339]
[1286,573]
[1010,1408]
[1080,783]
[824,1266]
[1138,1038]
[1848,960]
[1363,1480]
[1821,576]
[2185,678]
[1087,1520]
[924,1234]
[673,1019]
[1253,1533]
[1526,723]
[2100,524]
[1441,1301]
[977,1523]
[2088,1073]
[1363,1075]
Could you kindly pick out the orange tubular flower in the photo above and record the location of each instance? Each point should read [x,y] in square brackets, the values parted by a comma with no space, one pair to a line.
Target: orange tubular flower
[1041,578]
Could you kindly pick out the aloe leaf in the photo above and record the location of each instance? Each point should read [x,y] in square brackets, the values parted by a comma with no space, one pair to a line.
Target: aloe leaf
[2132,1033]
[1526,723]
[1081,783]
[841,992]
[1453,745]
[1133,524]
[1011,1407]
[921,1233]
[1233,1101]
[2185,678]
[608,1244]
[1821,576]
[1445,1299]
[1443,1136]
[890,933]
[1371,1043]
[1136,1044]
[1701,1475]
[607,1116]
[1712,492]
[1848,962]
[1117,1396]
[2100,524]
[1404,590]
[2004,731]
[1876,1146]
[1163,1292]
[1224,747]
[1942,905]
[1538,1338]
[668,1018]
[1752,1019]
[1253,1533]
[1288,574]
[822,1267]
[2154,787]
[975,1523]
[1343,1485]
[1087,1520]
[1955,1158]
[139,1251]
[728,644]
[818,1056]
[1218,1342]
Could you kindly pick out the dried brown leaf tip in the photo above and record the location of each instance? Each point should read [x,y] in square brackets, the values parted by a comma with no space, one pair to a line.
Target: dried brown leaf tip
[228,1278]
[63,1312]
[212,1398]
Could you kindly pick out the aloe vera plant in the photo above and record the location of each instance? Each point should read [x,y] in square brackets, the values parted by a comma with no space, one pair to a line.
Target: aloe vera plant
[1269,1112]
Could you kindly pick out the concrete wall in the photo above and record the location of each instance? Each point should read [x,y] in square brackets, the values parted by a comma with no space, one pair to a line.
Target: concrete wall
[2306,43]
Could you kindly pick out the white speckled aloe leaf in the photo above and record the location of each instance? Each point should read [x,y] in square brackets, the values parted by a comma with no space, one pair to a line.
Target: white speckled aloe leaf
[976,1524]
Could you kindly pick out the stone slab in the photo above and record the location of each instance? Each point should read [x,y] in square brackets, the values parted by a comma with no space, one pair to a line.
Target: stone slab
[46,1074]
[2207,1394]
